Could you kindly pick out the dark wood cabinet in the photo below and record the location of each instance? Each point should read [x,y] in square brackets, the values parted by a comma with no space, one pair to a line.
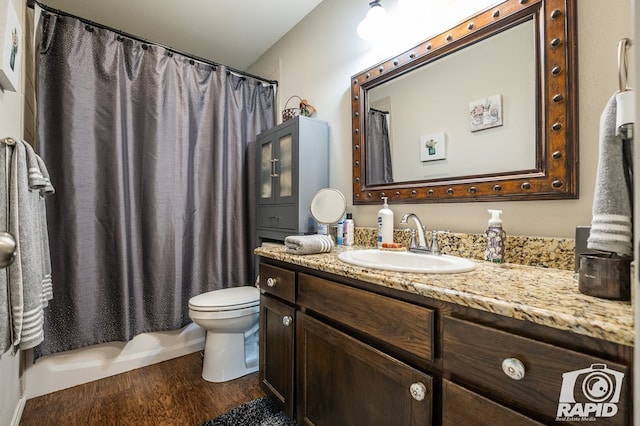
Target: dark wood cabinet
[536,377]
[342,381]
[366,354]
[463,407]
[277,336]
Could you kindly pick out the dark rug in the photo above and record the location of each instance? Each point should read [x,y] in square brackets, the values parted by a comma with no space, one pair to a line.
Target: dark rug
[259,412]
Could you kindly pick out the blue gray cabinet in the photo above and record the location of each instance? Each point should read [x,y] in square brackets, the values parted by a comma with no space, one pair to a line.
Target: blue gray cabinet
[293,164]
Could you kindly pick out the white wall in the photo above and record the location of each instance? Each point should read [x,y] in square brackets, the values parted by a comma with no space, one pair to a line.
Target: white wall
[11,401]
[317,58]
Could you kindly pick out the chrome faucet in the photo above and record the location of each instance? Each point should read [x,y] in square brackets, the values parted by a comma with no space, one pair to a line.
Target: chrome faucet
[421,246]
[422,243]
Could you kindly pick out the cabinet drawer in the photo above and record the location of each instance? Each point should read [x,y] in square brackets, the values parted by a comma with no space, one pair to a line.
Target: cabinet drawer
[404,325]
[556,382]
[277,281]
[280,217]
[463,407]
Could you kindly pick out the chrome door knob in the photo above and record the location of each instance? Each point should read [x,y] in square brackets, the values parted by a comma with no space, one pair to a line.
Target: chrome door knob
[418,391]
[514,368]
[287,320]
[8,250]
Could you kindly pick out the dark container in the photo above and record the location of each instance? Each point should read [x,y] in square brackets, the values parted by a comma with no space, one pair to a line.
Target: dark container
[603,276]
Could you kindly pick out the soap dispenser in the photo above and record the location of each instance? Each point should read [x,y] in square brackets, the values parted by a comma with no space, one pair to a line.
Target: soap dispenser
[385,224]
[494,251]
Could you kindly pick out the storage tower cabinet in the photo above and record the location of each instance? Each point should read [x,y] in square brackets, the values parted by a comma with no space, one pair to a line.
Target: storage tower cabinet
[293,164]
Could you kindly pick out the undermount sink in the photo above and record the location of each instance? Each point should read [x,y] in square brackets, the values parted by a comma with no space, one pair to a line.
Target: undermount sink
[407,261]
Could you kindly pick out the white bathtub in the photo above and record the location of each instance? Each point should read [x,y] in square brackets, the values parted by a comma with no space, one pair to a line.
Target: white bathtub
[66,369]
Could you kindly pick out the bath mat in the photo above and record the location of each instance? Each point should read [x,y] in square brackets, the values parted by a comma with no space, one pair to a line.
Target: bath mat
[259,412]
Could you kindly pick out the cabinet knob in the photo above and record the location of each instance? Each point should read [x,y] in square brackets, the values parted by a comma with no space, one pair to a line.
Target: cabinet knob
[514,368]
[271,282]
[418,391]
[287,320]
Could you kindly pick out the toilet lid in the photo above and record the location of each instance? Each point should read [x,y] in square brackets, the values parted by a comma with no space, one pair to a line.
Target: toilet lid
[226,299]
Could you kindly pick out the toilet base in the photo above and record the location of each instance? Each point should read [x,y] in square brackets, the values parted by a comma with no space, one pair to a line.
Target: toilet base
[229,356]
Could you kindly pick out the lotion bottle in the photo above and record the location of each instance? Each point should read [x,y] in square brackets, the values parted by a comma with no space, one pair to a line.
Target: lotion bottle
[494,251]
[340,232]
[349,230]
[385,224]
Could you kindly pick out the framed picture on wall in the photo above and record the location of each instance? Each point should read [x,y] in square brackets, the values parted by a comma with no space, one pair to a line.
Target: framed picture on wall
[10,47]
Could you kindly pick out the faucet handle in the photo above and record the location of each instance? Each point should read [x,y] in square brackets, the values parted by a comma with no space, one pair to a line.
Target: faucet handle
[435,248]
[412,242]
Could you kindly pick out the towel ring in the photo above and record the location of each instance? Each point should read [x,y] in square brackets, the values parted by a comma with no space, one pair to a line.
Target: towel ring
[623,64]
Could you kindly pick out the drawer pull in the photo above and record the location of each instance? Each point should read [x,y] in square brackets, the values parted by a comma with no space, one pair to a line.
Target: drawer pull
[513,368]
[287,320]
[271,282]
[418,391]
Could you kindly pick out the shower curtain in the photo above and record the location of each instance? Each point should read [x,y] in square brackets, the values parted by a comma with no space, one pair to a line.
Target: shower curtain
[151,153]
[378,165]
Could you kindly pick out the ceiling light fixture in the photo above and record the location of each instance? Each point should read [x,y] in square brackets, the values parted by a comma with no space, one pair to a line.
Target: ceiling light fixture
[375,23]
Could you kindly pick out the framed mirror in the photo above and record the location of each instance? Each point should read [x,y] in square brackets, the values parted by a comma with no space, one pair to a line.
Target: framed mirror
[487,110]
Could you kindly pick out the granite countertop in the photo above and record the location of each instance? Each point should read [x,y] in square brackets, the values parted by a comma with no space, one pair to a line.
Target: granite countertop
[543,296]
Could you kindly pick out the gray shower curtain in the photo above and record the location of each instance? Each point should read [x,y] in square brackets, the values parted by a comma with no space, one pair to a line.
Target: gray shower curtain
[378,165]
[151,155]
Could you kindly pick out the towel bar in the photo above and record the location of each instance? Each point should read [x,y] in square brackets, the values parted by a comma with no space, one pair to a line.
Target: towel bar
[623,68]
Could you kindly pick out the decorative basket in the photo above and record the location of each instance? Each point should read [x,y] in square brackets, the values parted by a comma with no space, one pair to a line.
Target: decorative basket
[304,108]
[289,113]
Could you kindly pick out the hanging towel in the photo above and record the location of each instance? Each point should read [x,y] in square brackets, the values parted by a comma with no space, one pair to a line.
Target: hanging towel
[308,244]
[28,278]
[611,224]
[5,311]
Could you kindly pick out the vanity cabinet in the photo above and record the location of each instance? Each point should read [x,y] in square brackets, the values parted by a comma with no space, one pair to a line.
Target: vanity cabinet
[535,377]
[364,353]
[292,165]
[277,335]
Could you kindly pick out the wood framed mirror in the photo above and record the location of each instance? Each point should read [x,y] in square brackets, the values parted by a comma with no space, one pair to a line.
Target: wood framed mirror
[489,111]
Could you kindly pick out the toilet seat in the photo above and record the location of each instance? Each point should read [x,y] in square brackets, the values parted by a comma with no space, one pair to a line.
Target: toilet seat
[226,299]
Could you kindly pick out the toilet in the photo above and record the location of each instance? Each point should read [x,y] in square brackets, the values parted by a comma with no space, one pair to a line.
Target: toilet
[230,317]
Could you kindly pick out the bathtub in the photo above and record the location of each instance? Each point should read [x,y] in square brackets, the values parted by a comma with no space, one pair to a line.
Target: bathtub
[66,369]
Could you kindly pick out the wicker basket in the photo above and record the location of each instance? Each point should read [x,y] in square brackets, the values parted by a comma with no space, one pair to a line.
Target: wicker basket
[289,113]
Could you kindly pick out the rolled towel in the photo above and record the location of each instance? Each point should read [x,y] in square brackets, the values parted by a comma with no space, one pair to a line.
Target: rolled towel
[308,244]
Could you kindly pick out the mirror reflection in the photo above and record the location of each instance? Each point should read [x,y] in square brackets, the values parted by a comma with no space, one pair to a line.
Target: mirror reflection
[469,113]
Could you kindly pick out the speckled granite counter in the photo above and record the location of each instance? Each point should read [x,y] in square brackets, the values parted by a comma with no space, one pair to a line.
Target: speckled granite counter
[544,296]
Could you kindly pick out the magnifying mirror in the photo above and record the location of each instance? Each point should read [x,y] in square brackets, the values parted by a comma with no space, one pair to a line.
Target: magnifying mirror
[328,206]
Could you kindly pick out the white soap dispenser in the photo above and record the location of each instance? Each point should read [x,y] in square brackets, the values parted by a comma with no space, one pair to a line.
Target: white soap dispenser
[385,224]
[494,251]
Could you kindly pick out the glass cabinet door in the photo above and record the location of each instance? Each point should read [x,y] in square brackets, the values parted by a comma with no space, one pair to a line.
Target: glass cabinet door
[266,171]
[285,167]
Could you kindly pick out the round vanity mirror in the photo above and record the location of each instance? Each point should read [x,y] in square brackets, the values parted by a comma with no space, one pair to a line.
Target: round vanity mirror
[328,206]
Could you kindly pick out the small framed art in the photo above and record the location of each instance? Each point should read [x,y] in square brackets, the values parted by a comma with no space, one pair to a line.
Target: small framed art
[10,47]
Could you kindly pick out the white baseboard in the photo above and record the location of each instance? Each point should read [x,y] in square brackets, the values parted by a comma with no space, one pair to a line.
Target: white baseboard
[67,369]
[17,413]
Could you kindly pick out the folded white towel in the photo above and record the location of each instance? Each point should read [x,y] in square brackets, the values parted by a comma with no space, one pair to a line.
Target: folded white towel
[308,244]
[611,229]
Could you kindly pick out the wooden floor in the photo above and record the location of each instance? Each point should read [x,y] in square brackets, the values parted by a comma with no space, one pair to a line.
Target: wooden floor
[170,393]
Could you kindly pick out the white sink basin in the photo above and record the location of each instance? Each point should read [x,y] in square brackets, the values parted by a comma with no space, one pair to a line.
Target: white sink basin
[407,261]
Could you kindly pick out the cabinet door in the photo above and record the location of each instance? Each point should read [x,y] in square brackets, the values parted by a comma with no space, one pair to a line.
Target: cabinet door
[342,381]
[463,407]
[277,333]
[277,162]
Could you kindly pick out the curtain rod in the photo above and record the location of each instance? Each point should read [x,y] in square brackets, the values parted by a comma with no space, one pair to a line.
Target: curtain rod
[32,3]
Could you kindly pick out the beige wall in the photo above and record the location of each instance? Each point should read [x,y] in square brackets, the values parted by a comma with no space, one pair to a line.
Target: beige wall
[317,58]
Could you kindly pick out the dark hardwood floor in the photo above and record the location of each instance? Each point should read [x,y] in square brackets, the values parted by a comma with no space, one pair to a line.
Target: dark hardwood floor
[170,393]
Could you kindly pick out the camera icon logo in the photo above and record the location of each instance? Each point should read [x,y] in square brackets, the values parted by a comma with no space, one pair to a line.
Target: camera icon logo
[590,392]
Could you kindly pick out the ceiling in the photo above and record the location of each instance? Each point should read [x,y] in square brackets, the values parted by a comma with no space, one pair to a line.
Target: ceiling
[229,32]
